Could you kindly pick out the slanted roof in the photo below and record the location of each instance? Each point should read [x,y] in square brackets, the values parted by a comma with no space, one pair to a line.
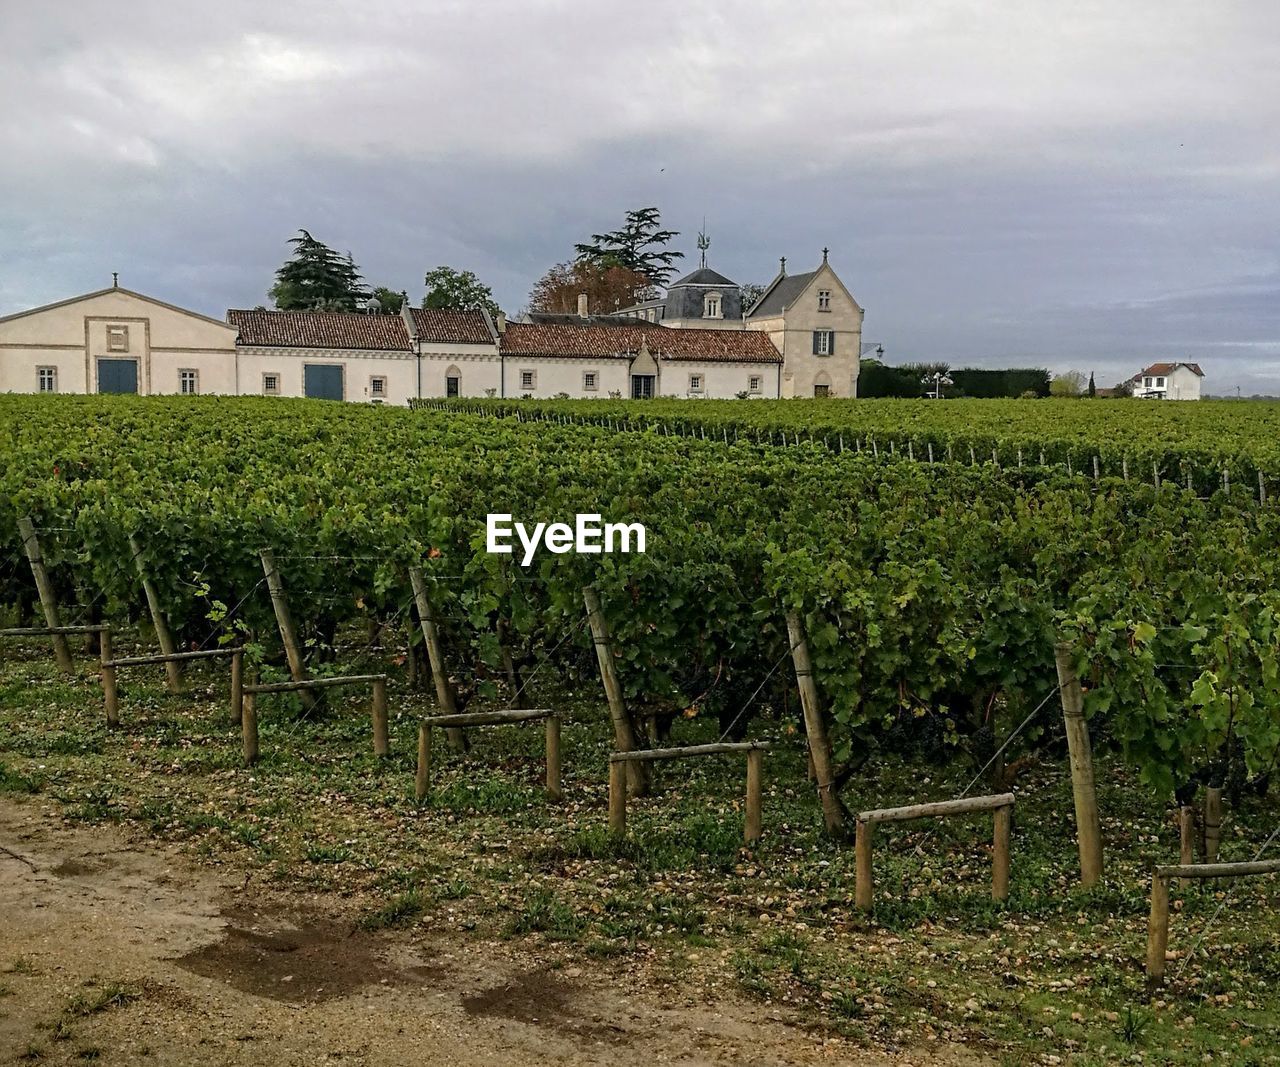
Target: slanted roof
[625,339]
[321,329]
[1164,369]
[107,292]
[452,327]
[781,294]
[703,276]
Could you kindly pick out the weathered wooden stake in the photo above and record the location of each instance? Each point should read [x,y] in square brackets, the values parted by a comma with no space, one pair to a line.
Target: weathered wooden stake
[237,686]
[445,696]
[1212,823]
[422,780]
[624,737]
[554,789]
[753,824]
[864,887]
[1186,836]
[109,695]
[1088,828]
[48,598]
[1000,854]
[833,814]
[172,671]
[617,798]
[249,729]
[1158,929]
[284,619]
[381,746]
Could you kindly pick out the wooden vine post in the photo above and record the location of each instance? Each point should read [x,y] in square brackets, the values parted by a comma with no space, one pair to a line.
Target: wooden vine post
[249,725]
[1186,835]
[172,671]
[110,695]
[237,686]
[435,653]
[1088,828]
[815,728]
[624,737]
[44,587]
[381,744]
[1212,822]
[284,619]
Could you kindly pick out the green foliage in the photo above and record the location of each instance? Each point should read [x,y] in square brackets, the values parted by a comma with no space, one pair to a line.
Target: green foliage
[315,277]
[457,290]
[639,245]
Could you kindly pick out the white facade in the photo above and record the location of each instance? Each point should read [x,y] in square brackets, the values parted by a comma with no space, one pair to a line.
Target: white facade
[113,339]
[1169,381]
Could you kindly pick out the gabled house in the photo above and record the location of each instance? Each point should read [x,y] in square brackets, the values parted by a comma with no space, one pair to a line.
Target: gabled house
[1169,381]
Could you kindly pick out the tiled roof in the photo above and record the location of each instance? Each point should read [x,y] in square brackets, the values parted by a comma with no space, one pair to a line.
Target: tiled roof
[321,329]
[602,342]
[452,327]
[1167,368]
[781,295]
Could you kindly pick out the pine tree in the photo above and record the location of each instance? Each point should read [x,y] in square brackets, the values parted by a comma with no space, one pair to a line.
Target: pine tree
[1093,389]
[640,246]
[317,278]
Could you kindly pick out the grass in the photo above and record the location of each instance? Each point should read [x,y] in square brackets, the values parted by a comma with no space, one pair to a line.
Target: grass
[1055,971]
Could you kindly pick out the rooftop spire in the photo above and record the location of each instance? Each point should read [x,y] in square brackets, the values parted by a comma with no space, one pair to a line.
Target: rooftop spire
[824,255]
[782,265]
[704,242]
[115,279]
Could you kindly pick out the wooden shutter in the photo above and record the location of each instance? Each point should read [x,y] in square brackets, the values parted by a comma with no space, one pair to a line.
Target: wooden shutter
[831,342]
[815,341]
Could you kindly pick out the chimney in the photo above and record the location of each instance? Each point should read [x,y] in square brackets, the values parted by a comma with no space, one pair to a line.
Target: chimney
[582,305]
[500,321]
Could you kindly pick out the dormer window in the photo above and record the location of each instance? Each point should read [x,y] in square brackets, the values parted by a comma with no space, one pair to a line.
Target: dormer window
[711,306]
[824,299]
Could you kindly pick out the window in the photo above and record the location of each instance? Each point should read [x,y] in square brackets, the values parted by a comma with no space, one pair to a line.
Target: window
[642,386]
[753,383]
[824,299]
[711,306]
[1159,383]
[47,379]
[271,385]
[822,390]
[824,342]
[188,382]
[528,379]
[695,383]
[117,338]
[590,381]
[452,385]
[378,387]
[1146,383]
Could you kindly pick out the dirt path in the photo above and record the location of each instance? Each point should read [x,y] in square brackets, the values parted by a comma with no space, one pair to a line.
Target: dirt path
[229,974]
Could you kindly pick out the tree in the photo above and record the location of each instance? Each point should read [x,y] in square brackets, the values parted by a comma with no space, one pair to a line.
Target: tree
[608,288]
[1093,389]
[458,290]
[1068,383]
[751,293]
[316,277]
[640,245]
[390,301]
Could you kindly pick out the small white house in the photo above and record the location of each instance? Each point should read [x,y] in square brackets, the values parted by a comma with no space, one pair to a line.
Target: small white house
[1169,381]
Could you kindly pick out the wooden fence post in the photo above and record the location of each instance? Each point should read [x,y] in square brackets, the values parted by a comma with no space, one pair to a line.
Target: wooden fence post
[381,746]
[109,695]
[864,886]
[237,686]
[48,598]
[249,729]
[752,825]
[833,813]
[617,798]
[624,735]
[1212,822]
[1157,929]
[172,672]
[422,780]
[1000,854]
[288,635]
[554,789]
[1186,836]
[1088,828]
[435,653]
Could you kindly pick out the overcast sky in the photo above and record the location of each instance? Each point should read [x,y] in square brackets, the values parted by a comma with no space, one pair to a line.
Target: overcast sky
[1092,185]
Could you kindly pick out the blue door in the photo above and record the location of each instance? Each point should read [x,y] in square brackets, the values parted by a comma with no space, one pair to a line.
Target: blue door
[117,375]
[322,381]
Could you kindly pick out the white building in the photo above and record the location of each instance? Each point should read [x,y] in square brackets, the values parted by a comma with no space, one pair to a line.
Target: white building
[116,341]
[1169,381]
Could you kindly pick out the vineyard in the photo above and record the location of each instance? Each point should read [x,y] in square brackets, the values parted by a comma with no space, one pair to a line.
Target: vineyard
[931,557]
